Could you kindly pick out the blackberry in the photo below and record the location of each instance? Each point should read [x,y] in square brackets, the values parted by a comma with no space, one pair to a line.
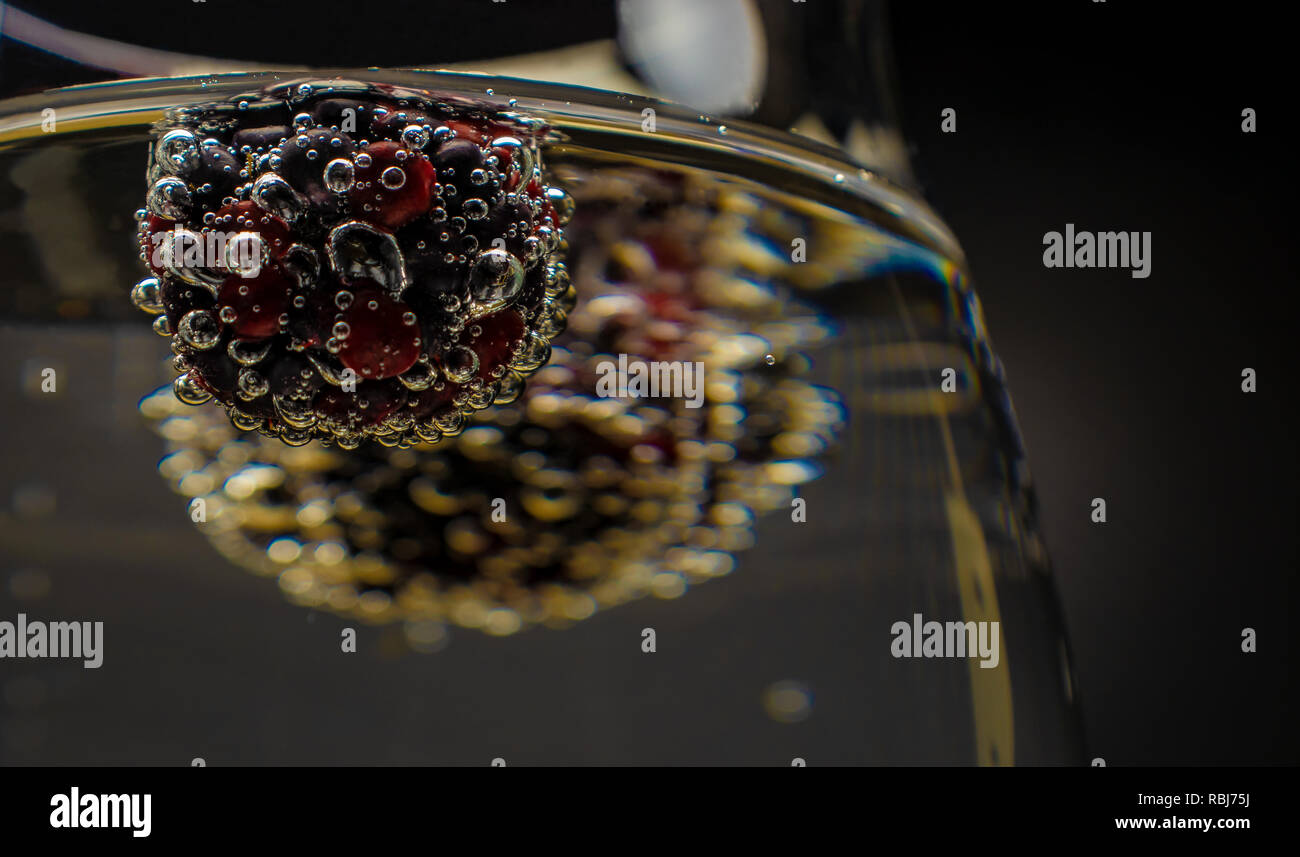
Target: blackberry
[380,266]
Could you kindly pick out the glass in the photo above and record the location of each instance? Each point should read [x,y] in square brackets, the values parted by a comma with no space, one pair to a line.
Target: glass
[855,469]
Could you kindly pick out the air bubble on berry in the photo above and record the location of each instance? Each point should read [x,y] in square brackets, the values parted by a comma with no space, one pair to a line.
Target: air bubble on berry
[295,412]
[199,329]
[169,198]
[177,152]
[302,261]
[419,377]
[162,326]
[339,175]
[341,330]
[509,388]
[188,389]
[450,424]
[329,368]
[244,422]
[460,364]
[475,209]
[295,437]
[483,397]
[495,278]
[568,299]
[343,299]
[273,194]
[415,136]
[535,352]
[562,203]
[252,384]
[549,238]
[246,252]
[248,353]
[551,321]
[557,280]
[363,161]
[392,178]
[518,152]
[183,254]
[146,296]
[359,251]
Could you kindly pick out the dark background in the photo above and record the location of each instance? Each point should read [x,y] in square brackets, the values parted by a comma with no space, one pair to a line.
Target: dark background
[1110,117]
[1097,114]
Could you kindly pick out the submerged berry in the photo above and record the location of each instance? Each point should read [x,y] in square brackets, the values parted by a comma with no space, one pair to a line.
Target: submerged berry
[345,261]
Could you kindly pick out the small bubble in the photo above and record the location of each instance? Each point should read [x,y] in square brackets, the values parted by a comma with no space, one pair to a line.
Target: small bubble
[199,329]
[147,296]
[392,178]
[169,198]
[339,175]
[415,136]
[252,384]
[460,364]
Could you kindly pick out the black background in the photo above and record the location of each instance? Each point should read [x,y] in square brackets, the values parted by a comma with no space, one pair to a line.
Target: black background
[1105,115]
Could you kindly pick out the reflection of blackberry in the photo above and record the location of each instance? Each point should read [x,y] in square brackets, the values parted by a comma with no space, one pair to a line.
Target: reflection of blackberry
[344,261]
[561,503]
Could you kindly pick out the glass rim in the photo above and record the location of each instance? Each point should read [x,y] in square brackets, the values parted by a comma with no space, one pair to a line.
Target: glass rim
[837,181]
